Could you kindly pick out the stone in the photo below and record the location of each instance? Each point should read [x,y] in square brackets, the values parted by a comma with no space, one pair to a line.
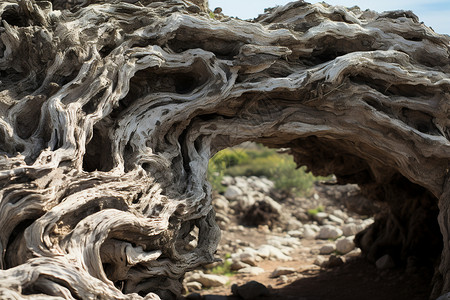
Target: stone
[385,262]
[237,265]
[193,286]
[250,290]
[248,258]
[354,253]
[327,249]
[283,279]
[209,280]
[251,271]
[271,252]
[309,233]
[295,233]
[320,261]
[350,229]
[282,271]
[335,219]
[221,203]
[345,245]
[329,232]
[320,216]
[340,214]
[335,261]
[233,192]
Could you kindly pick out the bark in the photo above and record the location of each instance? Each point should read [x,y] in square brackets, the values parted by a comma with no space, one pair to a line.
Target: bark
[110,111]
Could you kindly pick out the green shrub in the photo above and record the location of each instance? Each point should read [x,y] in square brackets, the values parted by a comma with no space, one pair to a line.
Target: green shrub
[261,161]
[223,269]
[315,211]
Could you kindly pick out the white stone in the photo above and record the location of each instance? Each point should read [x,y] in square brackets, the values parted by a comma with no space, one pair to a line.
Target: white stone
[327,249]
[320,261]
[308,233]
[329,232]
[209,280]
[345,245]
[295,233]
[251,271]
[340,214]
[248,258]
[320,216]
[271,252]
[282,271]
[335,219]
[350,229]
[193,286]
[233,192]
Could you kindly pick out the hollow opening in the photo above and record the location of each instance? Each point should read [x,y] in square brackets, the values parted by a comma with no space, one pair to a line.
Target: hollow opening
[98,156]
[299,230]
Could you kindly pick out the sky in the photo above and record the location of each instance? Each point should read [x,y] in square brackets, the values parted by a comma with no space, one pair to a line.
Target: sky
[434,13]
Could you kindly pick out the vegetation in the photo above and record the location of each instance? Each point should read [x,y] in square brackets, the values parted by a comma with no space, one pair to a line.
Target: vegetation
[315,211]
[262,162]
[224,268]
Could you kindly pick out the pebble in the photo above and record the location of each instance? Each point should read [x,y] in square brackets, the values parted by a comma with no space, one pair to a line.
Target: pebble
[329,232]
[282,271]
[251,271]
[208,280]
[327,249]
[345,245]
[233,192]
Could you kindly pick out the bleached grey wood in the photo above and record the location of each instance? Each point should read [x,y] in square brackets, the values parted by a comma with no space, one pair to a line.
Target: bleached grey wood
[110,111]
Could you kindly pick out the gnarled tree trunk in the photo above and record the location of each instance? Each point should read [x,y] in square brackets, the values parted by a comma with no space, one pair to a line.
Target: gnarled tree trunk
[110,111]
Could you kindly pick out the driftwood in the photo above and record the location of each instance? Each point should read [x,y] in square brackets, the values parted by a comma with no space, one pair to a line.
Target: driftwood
[110,110]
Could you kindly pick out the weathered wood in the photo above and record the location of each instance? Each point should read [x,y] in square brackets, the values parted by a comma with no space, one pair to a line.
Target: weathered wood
[110,111]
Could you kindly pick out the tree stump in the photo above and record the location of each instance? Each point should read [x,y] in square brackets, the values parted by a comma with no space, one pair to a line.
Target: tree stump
[110,111]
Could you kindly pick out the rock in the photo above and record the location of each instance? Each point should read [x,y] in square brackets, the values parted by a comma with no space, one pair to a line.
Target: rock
[251,271]
[233,192]
[282,271]
[335,261]
[385,262]
[327,249]
[271,252]
[228,180]
[221,204]
[250,290]
[329,232]
[218,10]
[320,216]
[340,214]
[293,224]
[335,219]
[283,279]
[295,233]
[209,280]
[237,265]
[193,286]
[345,245]
[248,258]
[320,261]
[308,233]
[354,253]
[350,229]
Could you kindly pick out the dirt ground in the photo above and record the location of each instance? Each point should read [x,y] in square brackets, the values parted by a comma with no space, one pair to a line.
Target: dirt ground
[356,279]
